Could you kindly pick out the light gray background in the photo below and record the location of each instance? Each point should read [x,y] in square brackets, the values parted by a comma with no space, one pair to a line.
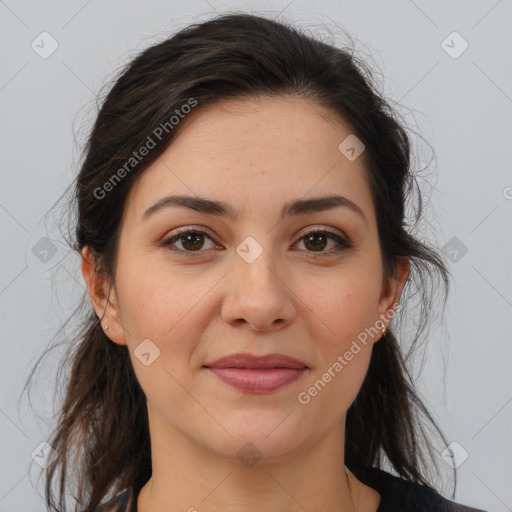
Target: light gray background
[462,105]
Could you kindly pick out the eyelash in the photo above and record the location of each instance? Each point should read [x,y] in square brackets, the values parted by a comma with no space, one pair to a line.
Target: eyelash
[343,244]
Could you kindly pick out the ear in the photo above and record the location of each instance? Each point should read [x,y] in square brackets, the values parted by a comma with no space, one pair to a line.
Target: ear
[103,297]
[392,291]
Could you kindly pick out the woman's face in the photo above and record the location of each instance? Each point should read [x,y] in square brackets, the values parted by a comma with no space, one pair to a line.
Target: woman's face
[250,280]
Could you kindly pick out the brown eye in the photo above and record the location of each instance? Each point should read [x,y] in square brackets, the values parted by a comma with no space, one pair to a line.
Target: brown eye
[191,241]
[317,240]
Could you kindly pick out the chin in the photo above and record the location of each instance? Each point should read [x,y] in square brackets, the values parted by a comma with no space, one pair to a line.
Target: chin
[264,438]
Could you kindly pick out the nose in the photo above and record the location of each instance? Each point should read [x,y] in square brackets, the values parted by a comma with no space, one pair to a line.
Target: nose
[258,295]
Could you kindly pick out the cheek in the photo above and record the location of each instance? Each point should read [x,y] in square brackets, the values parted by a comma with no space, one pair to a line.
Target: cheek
[165,306]
[333,388]
[152,300]
[344,305]
[158,307]
[345,310]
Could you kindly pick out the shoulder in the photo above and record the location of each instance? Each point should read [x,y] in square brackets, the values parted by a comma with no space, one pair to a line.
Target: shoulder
[398,494]
[123,502]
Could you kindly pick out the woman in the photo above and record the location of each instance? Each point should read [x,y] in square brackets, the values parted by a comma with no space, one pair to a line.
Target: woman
[242,232]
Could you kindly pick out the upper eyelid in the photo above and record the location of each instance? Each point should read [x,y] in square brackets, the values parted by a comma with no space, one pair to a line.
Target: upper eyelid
[302,232]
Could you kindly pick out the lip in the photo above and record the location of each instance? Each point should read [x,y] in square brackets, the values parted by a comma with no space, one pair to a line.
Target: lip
[245,360]
[257,374]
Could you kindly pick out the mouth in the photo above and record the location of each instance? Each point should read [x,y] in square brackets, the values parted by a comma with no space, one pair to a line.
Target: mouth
[257,374]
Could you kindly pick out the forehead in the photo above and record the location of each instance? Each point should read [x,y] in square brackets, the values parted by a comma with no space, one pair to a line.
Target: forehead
[269,149]
[284,122]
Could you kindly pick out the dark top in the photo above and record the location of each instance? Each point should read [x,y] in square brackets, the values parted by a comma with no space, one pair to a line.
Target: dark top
[397,495]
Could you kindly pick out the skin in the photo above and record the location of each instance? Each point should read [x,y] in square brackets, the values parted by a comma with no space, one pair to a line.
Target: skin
[255,154]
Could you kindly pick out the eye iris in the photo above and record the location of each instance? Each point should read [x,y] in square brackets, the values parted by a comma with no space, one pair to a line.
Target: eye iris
[192,236]
[314,237]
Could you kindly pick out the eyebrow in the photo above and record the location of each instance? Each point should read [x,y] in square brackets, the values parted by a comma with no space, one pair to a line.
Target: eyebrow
[220,208]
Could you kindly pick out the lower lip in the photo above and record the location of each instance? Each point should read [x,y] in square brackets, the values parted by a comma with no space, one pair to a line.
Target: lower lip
[258,380]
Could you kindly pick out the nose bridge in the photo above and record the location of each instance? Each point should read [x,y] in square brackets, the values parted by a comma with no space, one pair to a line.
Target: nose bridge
[256,261]
[257,292]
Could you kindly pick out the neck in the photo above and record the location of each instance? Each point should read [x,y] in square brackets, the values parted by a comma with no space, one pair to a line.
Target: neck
[189,477]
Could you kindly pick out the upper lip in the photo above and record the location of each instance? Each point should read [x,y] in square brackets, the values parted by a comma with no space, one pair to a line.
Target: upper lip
[245,360]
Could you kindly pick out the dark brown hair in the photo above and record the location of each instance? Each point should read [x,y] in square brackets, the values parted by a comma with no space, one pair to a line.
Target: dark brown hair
[102,436]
